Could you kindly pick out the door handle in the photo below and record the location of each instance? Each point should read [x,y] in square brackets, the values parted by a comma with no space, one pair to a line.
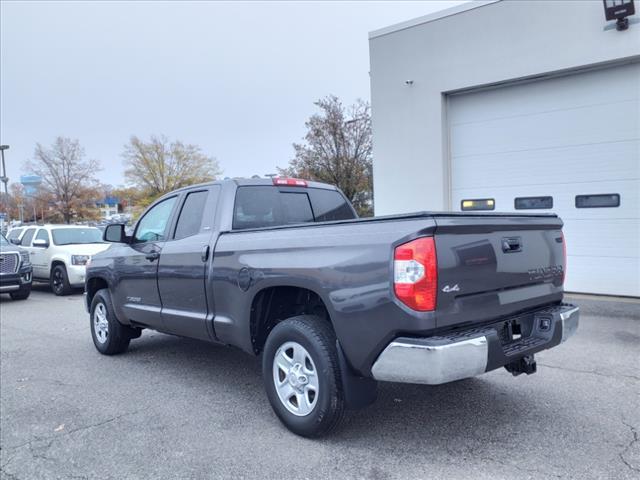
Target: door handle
[205,253]
[151,256]
[513,244]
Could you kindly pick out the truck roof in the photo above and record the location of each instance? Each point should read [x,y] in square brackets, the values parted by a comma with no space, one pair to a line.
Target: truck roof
[256,181]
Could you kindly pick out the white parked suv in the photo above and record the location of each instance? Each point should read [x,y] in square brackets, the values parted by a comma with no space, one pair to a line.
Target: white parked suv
[59,253]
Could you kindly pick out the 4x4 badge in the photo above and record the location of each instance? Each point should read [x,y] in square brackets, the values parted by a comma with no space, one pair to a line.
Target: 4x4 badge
[448,289]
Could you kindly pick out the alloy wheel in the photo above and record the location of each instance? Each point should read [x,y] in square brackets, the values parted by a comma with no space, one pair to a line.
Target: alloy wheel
[57,280]
[100,323]
[295,378]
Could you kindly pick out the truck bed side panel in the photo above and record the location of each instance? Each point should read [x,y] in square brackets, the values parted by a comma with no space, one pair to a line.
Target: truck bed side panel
[348,266]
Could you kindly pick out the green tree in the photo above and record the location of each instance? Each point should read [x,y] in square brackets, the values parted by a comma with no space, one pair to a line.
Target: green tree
[338,150]
[158,166]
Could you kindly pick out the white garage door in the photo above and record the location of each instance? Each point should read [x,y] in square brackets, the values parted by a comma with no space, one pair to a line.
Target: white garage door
[561,137]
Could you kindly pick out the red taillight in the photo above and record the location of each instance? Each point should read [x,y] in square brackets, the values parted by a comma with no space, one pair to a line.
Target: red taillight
[290,182]
[564,258]
[415,274]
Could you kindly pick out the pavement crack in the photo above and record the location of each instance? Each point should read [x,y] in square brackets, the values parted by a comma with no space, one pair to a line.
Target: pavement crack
[54,438]
[522,469]
[39,452]
[4,465]
[635,439]
[591,372]
[8,475]
[95,425]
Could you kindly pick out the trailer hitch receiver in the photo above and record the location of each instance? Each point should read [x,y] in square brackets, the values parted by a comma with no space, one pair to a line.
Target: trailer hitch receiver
[523,365]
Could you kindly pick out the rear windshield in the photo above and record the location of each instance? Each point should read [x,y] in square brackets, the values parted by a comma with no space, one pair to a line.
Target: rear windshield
[72,236]
[265,206]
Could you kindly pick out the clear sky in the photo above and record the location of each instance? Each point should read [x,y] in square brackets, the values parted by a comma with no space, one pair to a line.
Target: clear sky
[237,78]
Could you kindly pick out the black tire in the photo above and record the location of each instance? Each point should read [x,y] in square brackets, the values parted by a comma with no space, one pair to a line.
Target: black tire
[318,339]
[117,336]
[22,294]
[59,281]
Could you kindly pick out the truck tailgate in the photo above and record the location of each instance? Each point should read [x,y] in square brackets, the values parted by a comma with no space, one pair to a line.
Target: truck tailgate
[490,266]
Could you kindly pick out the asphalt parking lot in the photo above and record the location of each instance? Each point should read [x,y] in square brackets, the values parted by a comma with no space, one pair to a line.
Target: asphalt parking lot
[177,408]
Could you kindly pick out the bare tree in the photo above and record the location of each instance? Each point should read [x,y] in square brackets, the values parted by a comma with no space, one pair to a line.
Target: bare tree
[15,200]
[158,166]
[338,150]
[67,178]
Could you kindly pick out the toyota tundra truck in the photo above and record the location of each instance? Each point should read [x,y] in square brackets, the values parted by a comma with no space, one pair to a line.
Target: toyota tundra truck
[332,304]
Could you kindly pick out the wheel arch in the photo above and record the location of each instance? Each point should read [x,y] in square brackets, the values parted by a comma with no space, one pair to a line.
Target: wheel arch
[276,303]
[55,262]
[94,284]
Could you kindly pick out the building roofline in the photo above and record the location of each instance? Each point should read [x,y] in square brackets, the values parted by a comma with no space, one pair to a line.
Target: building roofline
[447,12]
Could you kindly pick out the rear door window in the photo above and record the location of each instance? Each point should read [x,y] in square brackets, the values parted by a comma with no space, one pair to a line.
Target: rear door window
[190,219]
[42,235]
[28,236]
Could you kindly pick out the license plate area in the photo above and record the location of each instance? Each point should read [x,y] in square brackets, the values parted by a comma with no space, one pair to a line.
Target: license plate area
[522,333]
[514,331]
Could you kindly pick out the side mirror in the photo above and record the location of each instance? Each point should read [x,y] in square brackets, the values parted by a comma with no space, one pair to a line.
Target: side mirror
[115,233]
[40,243]
[15,241]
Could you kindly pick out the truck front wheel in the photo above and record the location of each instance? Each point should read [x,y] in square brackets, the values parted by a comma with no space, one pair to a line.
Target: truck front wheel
[23,293]
[302,375]
[109,335]
[59,281]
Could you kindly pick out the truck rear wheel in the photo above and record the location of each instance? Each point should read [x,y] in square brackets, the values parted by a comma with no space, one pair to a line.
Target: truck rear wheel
[302,375]
[109,335]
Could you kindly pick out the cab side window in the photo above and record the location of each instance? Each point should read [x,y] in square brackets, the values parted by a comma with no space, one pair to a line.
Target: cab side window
[153,226]
[190,219]
[42,235]
[28,236]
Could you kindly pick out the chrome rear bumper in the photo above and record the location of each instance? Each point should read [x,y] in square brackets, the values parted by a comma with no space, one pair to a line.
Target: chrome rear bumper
[407,362]
[443,359]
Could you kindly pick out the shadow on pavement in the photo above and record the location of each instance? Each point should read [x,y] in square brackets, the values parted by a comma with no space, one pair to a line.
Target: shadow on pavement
[448,412]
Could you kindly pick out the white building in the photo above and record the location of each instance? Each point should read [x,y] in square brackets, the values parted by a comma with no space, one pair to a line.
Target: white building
[508,100]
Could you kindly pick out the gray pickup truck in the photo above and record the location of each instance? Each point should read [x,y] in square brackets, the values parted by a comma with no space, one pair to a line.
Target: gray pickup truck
[283,269]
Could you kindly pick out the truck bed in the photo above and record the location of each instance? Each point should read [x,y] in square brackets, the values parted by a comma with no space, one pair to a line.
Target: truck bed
[405,216]
[349,264]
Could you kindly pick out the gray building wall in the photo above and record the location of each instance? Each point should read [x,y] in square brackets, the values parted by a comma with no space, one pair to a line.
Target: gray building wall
[471,46]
